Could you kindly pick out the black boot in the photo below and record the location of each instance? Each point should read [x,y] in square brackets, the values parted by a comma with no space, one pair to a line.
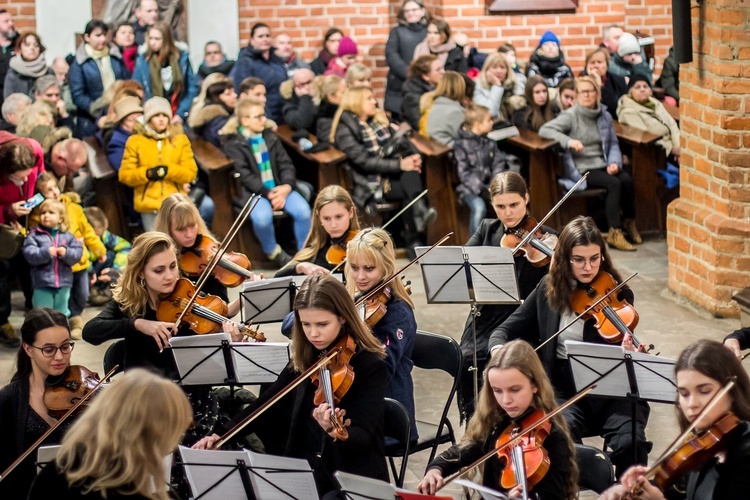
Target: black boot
[423,215]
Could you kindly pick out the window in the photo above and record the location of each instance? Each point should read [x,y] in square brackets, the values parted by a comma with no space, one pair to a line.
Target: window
[531,6]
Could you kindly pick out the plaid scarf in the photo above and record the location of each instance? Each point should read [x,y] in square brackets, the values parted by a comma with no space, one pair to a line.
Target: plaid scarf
[260,152]
[374,135]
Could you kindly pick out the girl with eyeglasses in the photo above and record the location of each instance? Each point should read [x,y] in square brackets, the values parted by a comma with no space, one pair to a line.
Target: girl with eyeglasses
[581,255]
[44,355]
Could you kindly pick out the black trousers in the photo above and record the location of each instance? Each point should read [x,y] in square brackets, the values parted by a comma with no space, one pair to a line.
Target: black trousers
[620,194]
[9,270]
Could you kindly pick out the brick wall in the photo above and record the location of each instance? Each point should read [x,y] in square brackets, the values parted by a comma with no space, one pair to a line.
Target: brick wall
[709,225]
[24,12]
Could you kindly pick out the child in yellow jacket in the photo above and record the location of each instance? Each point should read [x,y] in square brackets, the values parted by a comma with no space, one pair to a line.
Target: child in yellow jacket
[158,160]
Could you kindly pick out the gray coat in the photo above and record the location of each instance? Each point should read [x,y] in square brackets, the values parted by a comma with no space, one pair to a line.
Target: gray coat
[444,120]
[16,82]
[399,51]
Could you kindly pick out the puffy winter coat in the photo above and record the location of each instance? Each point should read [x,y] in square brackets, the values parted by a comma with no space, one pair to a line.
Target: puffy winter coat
[9,192]
[250,62]
[208,120]
[553,70]
[399,51]
[478,160]
[189,82]
[413,90]
[657,121]
[48,271]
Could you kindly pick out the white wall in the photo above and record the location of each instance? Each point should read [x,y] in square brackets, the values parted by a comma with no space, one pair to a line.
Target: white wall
[57,22]
[212,20]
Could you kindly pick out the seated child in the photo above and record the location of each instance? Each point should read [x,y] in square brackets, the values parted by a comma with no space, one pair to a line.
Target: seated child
[105,274]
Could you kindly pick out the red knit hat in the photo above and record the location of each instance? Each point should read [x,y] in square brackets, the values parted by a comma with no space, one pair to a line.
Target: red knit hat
[347,47]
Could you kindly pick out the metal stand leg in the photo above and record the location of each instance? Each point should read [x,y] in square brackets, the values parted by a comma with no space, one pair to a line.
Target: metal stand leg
[475,366]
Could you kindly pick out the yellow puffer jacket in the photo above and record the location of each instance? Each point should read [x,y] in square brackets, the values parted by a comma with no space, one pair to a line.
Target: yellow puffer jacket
[144,150]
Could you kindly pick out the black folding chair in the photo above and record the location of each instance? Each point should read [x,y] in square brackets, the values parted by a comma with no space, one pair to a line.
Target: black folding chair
[397,425]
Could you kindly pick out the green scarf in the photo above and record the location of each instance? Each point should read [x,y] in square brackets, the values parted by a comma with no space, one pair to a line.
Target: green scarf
[154,67]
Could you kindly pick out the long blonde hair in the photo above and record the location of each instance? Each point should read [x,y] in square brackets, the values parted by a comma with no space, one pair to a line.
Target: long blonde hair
[318,236]
[185,214]
[353,100]
[375,246]
[493,60]
[520,355]
[323,291]
[128,293]
[323,86]
[116,447]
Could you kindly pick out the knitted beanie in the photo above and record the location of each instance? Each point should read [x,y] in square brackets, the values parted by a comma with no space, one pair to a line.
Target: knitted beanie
[347,47]
[628,45]
[637,77]
[156,106]
[548,36]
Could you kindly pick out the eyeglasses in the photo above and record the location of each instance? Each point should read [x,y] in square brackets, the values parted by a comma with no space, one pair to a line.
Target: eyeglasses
[580,262]
[49,351]
[587,92]
[258,117]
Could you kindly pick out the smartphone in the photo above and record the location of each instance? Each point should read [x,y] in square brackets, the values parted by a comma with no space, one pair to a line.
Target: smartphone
[34,201]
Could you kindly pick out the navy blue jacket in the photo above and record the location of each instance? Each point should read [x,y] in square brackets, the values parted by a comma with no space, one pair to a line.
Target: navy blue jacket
[250,62]
[116,146]
[189,89]
[86,86]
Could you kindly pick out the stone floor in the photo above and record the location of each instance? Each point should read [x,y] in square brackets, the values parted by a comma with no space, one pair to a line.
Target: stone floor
[665,320]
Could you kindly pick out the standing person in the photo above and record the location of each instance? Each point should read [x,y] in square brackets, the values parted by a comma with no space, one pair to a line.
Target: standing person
[701,371]
[611,38]
[425,73]
[399,50]
[26,65]
[8,36]
[124,39]
[146,15]
[165,71]
[285,50]
[581,255]
[510,198]
[92,461]
[330,50]
[214,61]
[43,357]
[588,136]
[96,67]
[515,385]
[324,314]
[259,60]
[613,86]
[496,84]
[548,61]
[539,108]
[438,42]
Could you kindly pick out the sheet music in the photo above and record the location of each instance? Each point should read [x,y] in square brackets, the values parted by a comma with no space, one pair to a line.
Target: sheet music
[271,356]
[487,493]
[266,301]
[654,374]
[446,280]
[357,487]
[212,371]
[202,477]
[293,475]
[298,280]
[493,275]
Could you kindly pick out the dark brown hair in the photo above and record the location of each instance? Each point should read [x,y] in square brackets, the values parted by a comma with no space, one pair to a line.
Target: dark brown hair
[14,157]
[420,66]
[539,114]
[36,320]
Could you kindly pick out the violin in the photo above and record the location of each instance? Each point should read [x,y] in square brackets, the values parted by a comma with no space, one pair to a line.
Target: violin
[206,315]
[526,461]
[232,269]
[614,317]
[337,251]
[332,382]
[539,247]
[63,394]
[374,308]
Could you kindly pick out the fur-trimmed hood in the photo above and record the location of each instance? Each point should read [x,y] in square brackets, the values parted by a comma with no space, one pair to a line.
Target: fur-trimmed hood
[82,56]
[173,130]
[233,124]
[203,115]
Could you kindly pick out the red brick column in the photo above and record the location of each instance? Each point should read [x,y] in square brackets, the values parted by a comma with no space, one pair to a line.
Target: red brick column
[23,12]
[709,225]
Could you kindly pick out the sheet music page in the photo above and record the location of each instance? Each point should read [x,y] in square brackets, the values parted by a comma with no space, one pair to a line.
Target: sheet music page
[493,275]
[298,280]
[202,352]
[487,493]
[443,274]
[266,301]
[652,373]
[259,362]
[291,478]
[203,477]
[364,488]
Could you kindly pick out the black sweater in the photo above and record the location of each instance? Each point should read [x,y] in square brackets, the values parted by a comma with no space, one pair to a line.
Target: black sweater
[52,484]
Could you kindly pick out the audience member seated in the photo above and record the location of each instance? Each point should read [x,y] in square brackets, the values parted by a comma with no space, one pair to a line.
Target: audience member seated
[444,109]
[566,94]
[47,89]
[127,112]
[214,61]
[300,110]
[438,42]
[260,60]
[495,86]
[478,160]
[165,71]
[285,50]
[361,130]
[425,73]
[509,51]
[358,75]
[252,88]
[96,67]
[107,120]
[539,107]
[35,115]
[629,59]
[61,70]
[11,111]
[8,37]
[327,93]
[346,56]
[670,79]
[124,39]
[146,15]
[158,160]
[399,51]
[611,38]
[329,51]
[588,136]
[27,65]
[213,107]
[265,169]
[548,61]
[613,86]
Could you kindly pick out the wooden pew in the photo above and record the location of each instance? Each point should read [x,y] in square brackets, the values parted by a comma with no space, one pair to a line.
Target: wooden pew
[320,169]
[674,111]
[110,194]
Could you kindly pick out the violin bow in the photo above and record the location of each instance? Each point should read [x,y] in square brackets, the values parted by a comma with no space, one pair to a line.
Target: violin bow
[385,282]
[233,230]
[283,392]
[549,214]
[587,310]
[407,207]
[52,428]
[514,441]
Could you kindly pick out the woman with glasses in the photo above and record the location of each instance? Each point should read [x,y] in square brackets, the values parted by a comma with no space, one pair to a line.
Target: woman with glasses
[44,355]
[580,256]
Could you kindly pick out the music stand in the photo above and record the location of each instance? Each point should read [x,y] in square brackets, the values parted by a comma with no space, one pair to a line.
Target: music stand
[618,373]
[485,492]
[469,275]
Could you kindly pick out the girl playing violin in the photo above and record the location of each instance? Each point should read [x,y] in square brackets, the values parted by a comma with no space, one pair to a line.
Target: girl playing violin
[580,256]
[44,355]
[701,371]
[334,219]
[116,450]
[370,260]
[294,426]
[510,197]
[515,384]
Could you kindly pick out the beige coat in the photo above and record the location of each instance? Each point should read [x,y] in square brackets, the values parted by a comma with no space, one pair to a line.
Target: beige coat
[657,121]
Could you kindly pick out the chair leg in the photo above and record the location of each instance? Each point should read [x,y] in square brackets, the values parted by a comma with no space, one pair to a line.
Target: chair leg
[402,476]
[396,479]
